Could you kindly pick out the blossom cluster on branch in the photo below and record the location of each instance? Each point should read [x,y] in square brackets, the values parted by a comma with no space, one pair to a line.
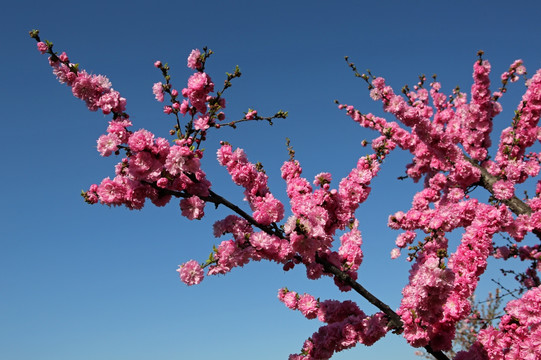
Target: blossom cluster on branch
[449,138]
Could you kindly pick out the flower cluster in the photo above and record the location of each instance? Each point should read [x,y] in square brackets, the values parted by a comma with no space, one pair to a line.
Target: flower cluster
[518,336]
[424,297]
[437,136]
[511,162]
[347,325]
[153,168]
[245,246]
[319,213]
[267,209]
[94,90]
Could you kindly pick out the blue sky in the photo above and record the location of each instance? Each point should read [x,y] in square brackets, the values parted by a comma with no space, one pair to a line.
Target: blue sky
[91,282]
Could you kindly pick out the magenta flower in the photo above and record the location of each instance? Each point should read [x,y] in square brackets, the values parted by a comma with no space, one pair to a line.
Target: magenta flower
[191,273]
[192,208]
[107,144]
[503,190]
[42,47]
[157,90]
[194,60]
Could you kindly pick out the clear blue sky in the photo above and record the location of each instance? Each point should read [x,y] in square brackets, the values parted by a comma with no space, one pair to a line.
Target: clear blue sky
[90,282]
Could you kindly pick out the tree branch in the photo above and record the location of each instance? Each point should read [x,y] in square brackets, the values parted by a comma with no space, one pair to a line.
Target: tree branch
[395,321]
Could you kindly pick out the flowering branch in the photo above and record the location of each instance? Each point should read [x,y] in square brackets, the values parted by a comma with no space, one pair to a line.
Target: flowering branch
[449,139]
[516,205]
[251,115]
[395,321]
[488,180]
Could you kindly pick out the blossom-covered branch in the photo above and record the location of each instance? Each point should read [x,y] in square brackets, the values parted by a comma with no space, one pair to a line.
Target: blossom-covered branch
[449,139]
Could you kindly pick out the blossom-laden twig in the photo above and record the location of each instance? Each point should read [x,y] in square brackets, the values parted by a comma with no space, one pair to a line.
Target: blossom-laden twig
[449,141]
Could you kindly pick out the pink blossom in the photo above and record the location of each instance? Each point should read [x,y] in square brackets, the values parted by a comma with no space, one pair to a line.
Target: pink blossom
[119,128]
[200,82]
[199,86]
[107,144]
[162,183]
[291,300]
[42,47]
[308,306]
[229,255]
[331,311]
[262,241]
[192,207]
[141,140]
[111,102]
[503,190]
[144,166]
[91,196]
[375,327]
[191,273]
[521,70]
[201,123]
[375,94]
[428,289]
[111,192]
[405,239]
[63,74]
[184,107]
[89,88]
[268,209]
[238,227]
[63,57]
[194,60]
[350,252]
[251,114]
[502,252]
[323,180]
[157,90]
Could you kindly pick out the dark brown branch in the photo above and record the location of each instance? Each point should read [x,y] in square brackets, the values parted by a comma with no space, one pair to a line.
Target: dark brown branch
[395,320]
[217,200]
